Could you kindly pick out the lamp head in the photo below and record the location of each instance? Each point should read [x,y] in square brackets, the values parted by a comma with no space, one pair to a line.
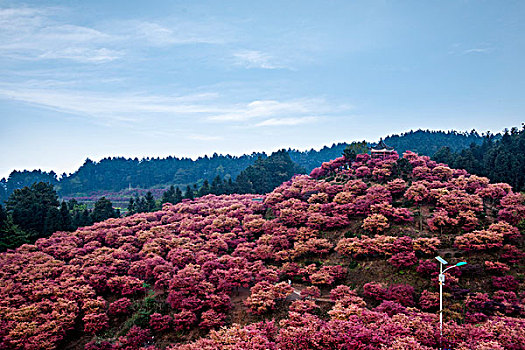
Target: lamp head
[441,260]
[461,263]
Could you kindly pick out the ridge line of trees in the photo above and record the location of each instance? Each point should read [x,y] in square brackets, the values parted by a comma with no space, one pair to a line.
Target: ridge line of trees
[114,174]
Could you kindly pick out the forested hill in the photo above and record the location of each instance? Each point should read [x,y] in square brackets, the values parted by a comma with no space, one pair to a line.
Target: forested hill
[117,173]
[428,142]
[502,160]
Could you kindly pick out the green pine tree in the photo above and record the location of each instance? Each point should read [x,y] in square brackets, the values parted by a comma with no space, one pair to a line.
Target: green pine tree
[178,196]
[189,193]
[131,206]
[103,210]
[65,217]
[151,205]
[33,208]
[168,196]
[205,189]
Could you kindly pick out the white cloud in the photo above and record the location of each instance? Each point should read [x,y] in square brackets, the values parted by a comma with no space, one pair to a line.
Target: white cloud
[269,108]
[109,108]
[45,33]
[176,33]
[84,55]
[287,121]
[33,34]
[256,59]
[477,50]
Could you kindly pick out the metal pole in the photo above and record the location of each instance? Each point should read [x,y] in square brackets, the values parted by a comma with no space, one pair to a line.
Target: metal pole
[441,280]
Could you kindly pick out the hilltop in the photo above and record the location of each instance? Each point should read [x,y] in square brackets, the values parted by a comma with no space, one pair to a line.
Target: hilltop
[340,259]
[115,174]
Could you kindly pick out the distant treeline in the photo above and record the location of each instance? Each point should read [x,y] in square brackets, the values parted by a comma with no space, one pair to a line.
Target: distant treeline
[426,142]
[501,159]
[118,173]
[261,177]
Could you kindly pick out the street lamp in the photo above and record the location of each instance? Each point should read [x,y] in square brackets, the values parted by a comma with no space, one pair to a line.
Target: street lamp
[441,282]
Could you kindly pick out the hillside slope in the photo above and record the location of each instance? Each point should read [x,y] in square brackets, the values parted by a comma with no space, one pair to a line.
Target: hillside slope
[341,259]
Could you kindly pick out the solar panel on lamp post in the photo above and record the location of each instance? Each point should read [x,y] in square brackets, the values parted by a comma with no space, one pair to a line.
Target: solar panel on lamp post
[441,279]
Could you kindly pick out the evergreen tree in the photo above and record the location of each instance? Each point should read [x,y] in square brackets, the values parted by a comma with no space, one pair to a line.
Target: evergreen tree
[3,216]
[444,155]
[65,217]
[189,193]
[500,160]
[77,219]
[178,196]
[168,196]
[30,208]
[53,221]
[229,189]
[141,205]
[103,210]
[72,204]
[267,174]
[205,189]
[85,219]
[217,186]
[131,206]
[151,205]
[355,148]
[11,236]
[243,184]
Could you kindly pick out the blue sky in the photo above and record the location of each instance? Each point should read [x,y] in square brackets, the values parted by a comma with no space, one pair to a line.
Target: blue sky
[103,78]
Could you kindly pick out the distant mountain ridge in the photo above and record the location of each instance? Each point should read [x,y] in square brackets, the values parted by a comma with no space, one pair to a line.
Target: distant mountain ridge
[118,173]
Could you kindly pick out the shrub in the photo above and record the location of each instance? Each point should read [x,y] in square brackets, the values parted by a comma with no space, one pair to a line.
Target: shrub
[93,323]
[312,292]
[401,293]
[427,268]
[403,259]
[303,306]
[374,290]
[479,240]
[341,292]
[264,295]
[375,223]
[428,300]
[390,307]
[496,267]
[506,282]
[159,322]
[121,306]
[135,338]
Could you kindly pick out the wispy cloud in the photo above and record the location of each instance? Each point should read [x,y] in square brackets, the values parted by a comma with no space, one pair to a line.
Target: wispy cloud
[287,121]
[274,108]
[82,54]
[38,33]
[461,49]
[111,107]
[176,32]
[205,107]
[46,33]
[477,50]
[256,59]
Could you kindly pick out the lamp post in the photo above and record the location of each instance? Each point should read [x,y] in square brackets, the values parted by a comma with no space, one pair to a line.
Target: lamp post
[441,282]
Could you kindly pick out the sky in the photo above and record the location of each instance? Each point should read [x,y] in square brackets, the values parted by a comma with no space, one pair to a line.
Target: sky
[91,79]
